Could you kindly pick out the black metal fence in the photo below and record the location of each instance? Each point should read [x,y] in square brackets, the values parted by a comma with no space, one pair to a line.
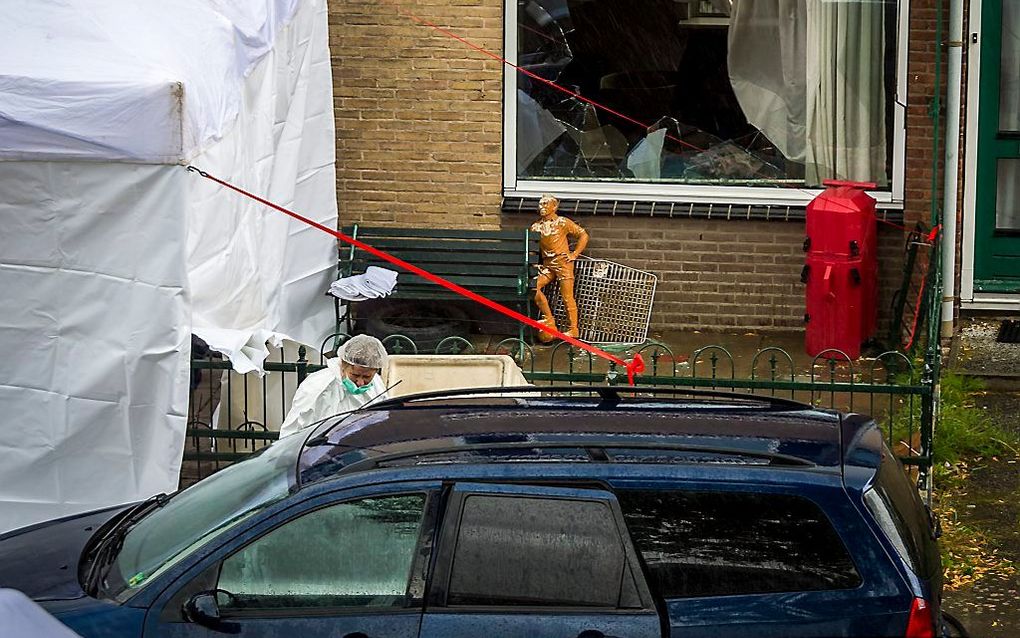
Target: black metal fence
[890,387]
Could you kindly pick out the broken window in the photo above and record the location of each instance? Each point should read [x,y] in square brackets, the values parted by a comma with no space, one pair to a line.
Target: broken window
[716,92]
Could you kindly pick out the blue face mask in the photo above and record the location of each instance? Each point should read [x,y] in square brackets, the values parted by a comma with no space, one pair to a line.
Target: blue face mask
[351,387]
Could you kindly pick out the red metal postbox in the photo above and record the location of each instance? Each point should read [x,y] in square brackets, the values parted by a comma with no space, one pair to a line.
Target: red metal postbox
[835,301]
[841,269]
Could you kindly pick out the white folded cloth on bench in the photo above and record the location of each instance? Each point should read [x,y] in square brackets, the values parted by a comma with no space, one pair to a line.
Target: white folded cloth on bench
[374,283]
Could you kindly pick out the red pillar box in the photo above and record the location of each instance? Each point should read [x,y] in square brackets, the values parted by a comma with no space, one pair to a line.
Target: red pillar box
[841,269]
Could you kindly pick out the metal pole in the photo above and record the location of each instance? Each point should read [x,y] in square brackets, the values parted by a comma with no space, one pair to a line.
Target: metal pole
[951,179]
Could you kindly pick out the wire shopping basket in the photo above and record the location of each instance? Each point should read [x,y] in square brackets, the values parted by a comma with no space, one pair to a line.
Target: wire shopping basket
[614,302]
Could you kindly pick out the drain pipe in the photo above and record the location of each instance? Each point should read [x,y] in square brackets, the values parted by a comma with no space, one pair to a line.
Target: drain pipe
[952,163]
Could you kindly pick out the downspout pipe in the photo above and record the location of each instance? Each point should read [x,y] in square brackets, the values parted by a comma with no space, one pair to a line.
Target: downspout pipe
[951,184]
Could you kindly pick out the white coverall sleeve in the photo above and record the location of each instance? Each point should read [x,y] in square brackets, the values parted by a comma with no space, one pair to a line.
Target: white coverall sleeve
[303,410]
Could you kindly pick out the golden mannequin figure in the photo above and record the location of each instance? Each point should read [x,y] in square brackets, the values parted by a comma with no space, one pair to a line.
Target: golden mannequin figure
[557,262]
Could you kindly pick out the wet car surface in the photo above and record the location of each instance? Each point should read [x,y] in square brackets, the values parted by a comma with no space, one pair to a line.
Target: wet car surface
[532,513]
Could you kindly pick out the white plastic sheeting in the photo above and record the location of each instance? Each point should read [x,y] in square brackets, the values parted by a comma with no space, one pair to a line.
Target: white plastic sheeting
[21,617]
[145,80]
[107,266]
[254,273]
[94,335]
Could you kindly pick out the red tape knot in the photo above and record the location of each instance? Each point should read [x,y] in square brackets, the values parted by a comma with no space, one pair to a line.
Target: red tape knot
[635,367]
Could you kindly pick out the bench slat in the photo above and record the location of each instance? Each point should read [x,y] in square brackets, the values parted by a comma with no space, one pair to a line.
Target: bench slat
[463,280]
[499,294]
[437,233]
[446,268]
[421,257]
[451,245]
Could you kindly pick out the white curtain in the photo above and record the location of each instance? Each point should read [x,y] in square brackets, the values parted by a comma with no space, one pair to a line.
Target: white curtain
[537,128]
[846,91]
[810,75]
[767,65]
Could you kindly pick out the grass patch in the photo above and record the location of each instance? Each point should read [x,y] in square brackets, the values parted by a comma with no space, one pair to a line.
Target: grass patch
[965,435]
[964,430]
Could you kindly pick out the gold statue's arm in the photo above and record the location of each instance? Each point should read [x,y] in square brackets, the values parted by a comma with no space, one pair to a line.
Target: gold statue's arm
[582,243]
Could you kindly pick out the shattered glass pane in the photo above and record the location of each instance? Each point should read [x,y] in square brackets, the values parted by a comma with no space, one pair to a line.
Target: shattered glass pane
[779,93]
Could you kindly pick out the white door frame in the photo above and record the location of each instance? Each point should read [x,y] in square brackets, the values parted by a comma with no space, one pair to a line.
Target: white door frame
[969,300]
[970,155]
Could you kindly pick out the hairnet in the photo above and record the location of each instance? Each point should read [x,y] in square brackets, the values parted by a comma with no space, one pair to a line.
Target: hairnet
[365,351]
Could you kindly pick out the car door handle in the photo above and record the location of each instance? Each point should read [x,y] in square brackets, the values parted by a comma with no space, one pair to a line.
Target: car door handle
[356,634]
[591,633]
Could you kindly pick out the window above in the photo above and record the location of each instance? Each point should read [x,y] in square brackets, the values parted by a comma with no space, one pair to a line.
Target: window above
[710,94]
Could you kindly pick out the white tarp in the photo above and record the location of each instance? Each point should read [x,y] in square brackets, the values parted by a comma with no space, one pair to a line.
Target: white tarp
[110,259]
[144,80]
[21,617]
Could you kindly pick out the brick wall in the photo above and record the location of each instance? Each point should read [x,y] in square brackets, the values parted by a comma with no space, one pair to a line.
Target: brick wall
[419,121]
[418,114]
[716,274]
[921,60]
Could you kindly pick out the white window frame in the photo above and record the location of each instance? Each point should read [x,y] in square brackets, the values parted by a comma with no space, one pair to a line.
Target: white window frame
[744,195]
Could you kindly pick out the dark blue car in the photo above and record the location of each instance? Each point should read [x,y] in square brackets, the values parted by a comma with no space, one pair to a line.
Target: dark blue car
[532,515]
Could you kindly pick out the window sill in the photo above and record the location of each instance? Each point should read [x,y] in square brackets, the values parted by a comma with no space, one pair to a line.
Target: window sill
[608,206]
[682,194]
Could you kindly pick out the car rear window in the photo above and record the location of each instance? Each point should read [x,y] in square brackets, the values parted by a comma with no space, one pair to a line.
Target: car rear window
[728,543]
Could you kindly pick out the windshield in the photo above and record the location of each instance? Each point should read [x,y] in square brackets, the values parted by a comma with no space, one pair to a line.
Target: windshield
[200,513]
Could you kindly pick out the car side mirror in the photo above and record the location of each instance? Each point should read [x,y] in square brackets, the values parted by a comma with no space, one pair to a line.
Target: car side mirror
[203,609]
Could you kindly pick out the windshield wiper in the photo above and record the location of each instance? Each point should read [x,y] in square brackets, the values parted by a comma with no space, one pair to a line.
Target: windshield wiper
[105,550]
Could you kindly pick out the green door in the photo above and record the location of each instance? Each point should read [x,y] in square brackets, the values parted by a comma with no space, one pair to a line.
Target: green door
[997,227]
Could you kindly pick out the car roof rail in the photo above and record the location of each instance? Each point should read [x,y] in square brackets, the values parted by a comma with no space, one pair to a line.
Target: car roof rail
[596,451]
[611,396]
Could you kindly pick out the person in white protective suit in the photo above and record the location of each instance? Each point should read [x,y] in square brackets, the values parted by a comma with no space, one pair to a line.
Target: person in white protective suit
[349,381]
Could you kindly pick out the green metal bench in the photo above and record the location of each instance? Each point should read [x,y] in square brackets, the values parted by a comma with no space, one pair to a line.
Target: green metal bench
[493,263]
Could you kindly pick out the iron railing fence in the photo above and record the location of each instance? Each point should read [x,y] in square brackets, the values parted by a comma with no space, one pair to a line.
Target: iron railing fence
[889,387]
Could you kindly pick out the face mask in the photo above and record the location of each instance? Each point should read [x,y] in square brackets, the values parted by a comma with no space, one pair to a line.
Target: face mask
[351,387]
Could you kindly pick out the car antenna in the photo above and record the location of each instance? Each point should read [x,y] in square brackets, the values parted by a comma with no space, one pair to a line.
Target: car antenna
[323,438]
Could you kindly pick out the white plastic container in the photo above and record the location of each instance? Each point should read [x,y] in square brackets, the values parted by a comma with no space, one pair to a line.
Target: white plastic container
[430,372]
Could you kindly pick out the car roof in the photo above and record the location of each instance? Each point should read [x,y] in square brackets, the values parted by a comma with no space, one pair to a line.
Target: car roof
[588,423]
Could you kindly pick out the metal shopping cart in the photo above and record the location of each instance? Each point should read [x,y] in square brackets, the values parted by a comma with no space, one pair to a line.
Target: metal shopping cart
[614,302]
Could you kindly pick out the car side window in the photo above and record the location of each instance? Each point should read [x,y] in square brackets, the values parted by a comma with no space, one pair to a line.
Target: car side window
[354,554]
[535,551]
[727,543]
